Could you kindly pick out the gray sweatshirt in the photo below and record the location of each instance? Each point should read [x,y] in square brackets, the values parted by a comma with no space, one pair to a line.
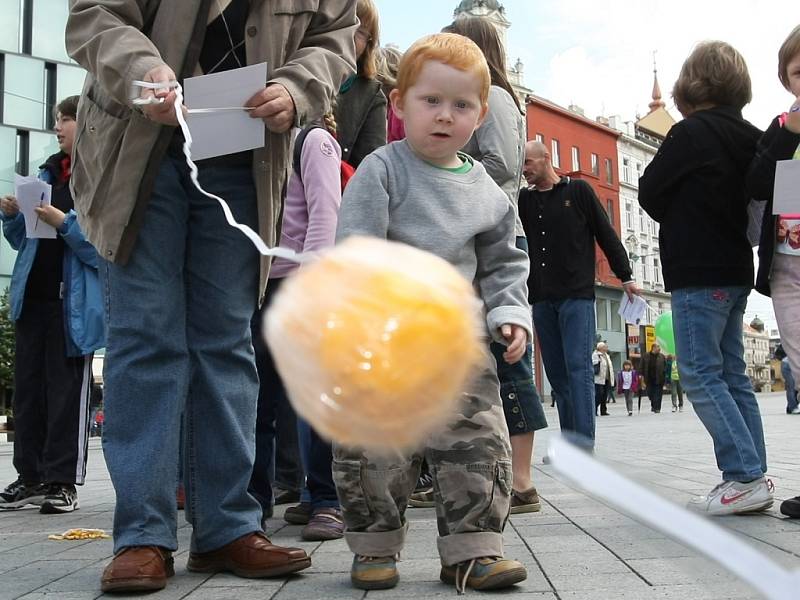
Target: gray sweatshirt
[499,143]
[464,218]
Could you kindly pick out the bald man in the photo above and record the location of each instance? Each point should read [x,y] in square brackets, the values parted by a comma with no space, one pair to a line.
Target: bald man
[562,219]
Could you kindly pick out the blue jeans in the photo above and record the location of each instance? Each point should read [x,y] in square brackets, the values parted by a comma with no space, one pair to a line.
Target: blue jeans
[708,341]
[178,316]
[566,330]
[789,382]
[317,455]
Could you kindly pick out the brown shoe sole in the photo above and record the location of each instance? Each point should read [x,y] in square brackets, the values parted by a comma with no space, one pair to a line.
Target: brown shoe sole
[133,584]
[200,565]
[378,584]
[526,508]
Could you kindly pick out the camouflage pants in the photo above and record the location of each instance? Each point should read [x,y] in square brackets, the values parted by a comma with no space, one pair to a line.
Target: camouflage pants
[470,462]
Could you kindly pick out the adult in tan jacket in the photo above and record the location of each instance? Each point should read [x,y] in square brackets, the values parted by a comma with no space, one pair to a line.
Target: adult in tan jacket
[180,284]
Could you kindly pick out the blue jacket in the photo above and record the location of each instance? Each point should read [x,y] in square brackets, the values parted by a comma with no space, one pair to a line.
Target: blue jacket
[84,320]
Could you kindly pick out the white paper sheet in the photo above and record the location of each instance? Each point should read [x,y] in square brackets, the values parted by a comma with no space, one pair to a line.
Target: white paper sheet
[224,132]
[633,312]
[32,193]
[786,195]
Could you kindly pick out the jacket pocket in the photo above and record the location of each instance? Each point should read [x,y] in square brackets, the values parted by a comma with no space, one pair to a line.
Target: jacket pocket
[97,149]
[295,7]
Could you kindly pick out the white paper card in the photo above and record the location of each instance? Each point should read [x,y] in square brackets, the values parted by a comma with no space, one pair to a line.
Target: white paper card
[632,312]
[224,132]
[32,193]
[786,196]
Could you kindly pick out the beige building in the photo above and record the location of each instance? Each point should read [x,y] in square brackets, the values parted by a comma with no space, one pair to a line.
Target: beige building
[757,355]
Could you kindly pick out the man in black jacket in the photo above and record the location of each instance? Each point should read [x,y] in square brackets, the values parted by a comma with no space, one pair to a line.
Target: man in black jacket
[562,219]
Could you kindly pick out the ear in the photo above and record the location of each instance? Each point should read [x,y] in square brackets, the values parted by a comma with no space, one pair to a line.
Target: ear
[484,111]
[396,98]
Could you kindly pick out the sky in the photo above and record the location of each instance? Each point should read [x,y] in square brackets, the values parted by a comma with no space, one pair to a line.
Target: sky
[599,55]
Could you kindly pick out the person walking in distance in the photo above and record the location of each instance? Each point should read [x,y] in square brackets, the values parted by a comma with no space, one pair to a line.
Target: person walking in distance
[654,369]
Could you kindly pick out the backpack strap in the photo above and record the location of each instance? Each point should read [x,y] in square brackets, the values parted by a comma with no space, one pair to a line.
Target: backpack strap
[298,147]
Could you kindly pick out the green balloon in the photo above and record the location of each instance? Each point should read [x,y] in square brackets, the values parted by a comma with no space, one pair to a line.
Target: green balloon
[664,333]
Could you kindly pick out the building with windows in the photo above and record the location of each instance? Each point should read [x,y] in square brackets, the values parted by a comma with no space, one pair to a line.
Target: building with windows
[35,73]
[585,149]
[636,146]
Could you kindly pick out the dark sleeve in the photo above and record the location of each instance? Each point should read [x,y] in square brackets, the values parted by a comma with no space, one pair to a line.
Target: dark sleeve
[776,144]
[674,160]
[373,131]
[605,234]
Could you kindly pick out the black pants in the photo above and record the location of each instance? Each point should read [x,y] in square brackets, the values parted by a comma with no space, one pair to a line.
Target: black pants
[655,392]
[51,399]
[600,398]
[277,451]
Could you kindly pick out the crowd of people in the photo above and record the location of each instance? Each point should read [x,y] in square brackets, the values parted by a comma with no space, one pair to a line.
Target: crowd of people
[426,147]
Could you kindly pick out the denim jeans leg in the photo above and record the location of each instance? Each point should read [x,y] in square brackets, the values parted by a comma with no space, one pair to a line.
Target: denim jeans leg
[146,371]
[317,455]
[734,372]
[222,289]
[545,321]
[576,318]
[705,321]
[789,384]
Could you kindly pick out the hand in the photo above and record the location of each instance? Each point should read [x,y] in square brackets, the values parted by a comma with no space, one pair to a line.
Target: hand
[517,339]
[792,122]
[9,206]
[50,215]
[631,289]
[163,113]
[274,106]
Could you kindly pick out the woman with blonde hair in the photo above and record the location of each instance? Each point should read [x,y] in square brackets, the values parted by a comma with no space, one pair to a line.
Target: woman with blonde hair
[361,105]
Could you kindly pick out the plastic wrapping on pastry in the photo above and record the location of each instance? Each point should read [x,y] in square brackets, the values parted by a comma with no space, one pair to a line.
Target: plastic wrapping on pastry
[375,342]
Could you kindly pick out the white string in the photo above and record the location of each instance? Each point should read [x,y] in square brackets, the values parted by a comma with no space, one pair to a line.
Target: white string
[247,231]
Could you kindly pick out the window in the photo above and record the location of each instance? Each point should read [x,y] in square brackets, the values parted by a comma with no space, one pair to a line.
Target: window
[616,320]
[23,92]
[609,173]
[10,26]
[576,159]
[628,215]
[645,270]
[626,169]
[69,81]
[642,223]
[556,154]
[8,151]
[41,145]
[610,210]
[595,165]
[49,18]
[656,271]
[540,138]
[601,306]
[639,170]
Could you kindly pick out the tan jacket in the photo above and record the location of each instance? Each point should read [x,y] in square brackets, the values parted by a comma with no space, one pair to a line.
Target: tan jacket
[307,45]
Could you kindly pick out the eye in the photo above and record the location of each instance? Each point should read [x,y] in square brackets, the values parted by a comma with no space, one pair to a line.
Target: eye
[431,99]
[461,104]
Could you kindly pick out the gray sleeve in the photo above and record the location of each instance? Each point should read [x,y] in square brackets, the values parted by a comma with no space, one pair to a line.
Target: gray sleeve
[502,276]
[365,202]
[496,140]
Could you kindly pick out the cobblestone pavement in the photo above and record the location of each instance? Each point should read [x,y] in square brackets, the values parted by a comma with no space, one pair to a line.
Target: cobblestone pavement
[575,549]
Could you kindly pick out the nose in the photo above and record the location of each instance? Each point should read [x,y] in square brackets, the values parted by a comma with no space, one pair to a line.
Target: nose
[445,114]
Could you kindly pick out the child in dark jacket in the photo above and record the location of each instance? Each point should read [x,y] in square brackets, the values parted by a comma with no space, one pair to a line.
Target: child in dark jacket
[628,384]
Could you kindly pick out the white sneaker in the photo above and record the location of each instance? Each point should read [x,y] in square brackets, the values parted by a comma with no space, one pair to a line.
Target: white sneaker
[735,497]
